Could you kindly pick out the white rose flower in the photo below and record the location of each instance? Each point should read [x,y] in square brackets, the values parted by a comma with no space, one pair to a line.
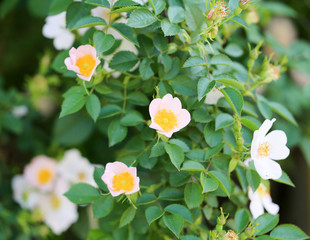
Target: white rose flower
[55,28]
[75,168]
[23,193]
[57,211]
[266,148]
[261,199]
[213,96]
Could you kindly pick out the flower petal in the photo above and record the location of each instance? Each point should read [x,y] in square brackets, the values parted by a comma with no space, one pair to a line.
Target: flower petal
[256,208]
[154,107]
[171,104]
[213,96]
[155,126]
[268,169]
[271,207]
[136,187]
[277,139]
[265,127]
[64,40]
[183,118]
[116,167]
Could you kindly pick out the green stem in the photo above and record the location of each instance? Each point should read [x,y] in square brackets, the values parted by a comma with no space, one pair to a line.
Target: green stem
[86,90]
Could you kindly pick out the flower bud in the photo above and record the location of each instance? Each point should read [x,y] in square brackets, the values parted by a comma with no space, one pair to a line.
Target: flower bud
[231,235]
[243,4]
[172,48]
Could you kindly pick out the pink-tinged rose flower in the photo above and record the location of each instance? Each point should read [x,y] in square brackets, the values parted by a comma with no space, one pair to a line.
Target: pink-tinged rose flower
[121,179]
[266,148]
[41,173]
[261,199]
[83,61]
[167,115]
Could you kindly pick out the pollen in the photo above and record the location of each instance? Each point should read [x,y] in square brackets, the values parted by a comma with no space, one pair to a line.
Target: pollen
[81,176]
[55,202]
[123,181]
[264,149]
[262,190]
[231,235]
[86,65]
[166,119]
[44,176]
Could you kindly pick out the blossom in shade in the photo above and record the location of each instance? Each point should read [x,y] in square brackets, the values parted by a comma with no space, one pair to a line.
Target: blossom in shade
[41,173]
[261,199]
[167,115]
[20,111]
[55,28]
[218,11]
[213,96]
[24,194]
[75,168]
[273,72]
[121,179]
[83,61]
[57,211]
[267,148]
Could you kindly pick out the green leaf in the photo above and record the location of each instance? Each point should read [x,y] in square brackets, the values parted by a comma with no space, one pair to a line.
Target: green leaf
[285,179]
[193,195]
[11,123]
[98,172]
[158,150]
[176,14]
[72,130]
[141,18]
[279,8]
[153,213]
[127,216]
[132,119]
[266,222]
[204,87]
[233,50]
[171,194]
[223,120]
[212,137]
[288,231]
[169,29]
[228,80]
[253,179]
[194,17]
[58,6]
[190,237]
[110,110]
[176,154]
[146,198]
[240,21]
[234,98]
[282,111]
[93,106]
[194,62]
[208,184]
[222,180]
[264,108]
[220,59]
[242,218]
[145,68]
[102,206]
[184,85]
[158,6]
[161,43]
[101,3]
[138,98]
[82,193]
[116,132]
[250,122]
[72,104]
[127,32]
[123,61]
[174,223]
[180,210]
[103,42]
[88,21]
[211,152]
[124,3]
[202,115]
[192,166]
[75,12]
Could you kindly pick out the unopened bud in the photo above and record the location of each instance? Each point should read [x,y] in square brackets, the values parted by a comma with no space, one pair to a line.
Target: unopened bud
[172,48]
[250,230]
[243,4]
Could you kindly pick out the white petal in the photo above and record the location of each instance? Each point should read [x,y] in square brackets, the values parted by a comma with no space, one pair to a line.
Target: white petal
[64,40]
[183,118]
[154,107]
[265,127]
[257,139]
[171,104]
[271,207]
[268,169]
[277,139]
[213,96]
[256,208]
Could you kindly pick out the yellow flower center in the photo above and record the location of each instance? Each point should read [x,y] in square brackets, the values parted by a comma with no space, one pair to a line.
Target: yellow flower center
[44,176]
[86,65]
[55,203]
[81,176]
[262,191]
[166,119]
[264,149]
[123,181]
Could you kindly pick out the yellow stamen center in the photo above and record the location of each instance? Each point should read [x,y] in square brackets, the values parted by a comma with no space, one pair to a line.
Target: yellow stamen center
[82,176]
[44,176]
[262,191]
[86,64]
[123,181]
[264,149]
[231,235]
[55,203]
[166,119]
